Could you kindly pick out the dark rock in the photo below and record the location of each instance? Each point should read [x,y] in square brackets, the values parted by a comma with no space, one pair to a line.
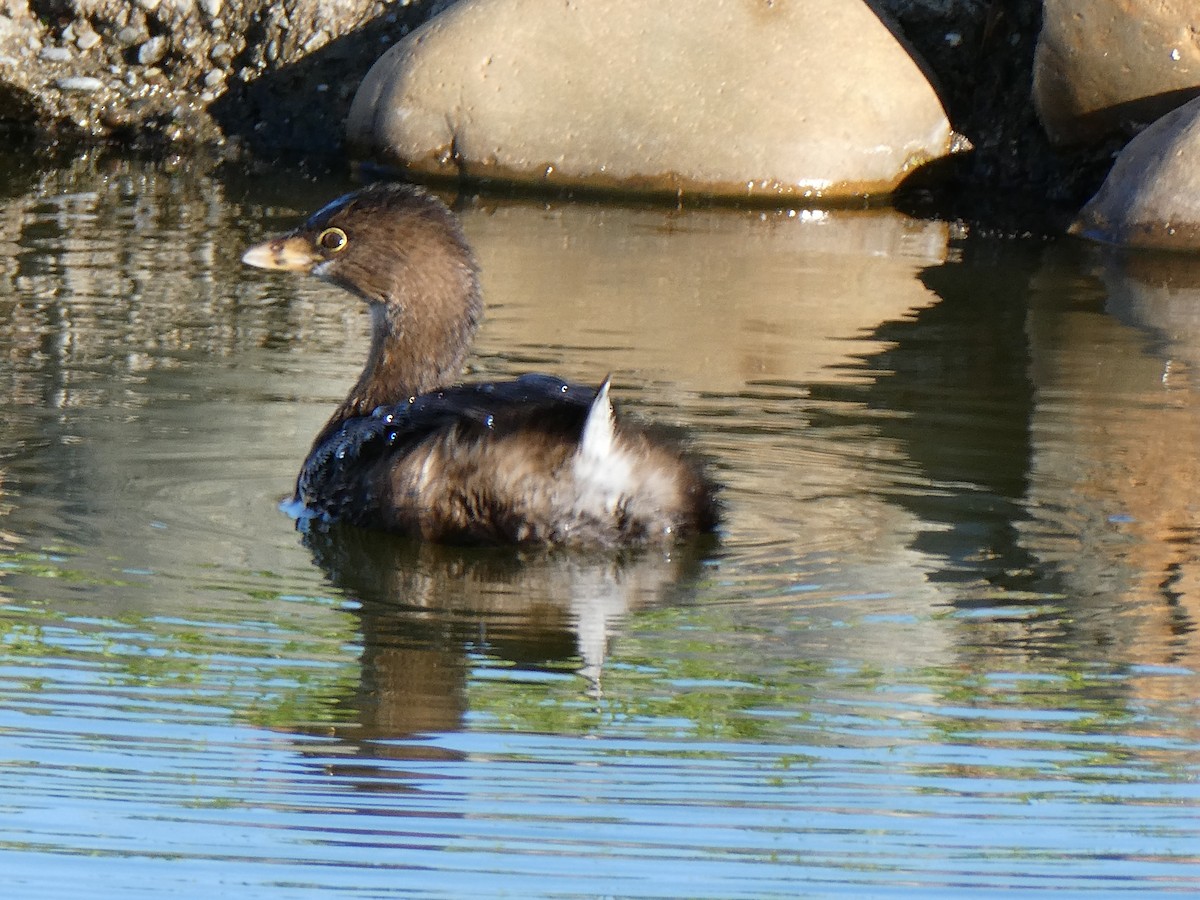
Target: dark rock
[1151,197]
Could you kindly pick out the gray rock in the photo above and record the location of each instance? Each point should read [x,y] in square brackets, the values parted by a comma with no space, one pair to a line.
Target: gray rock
[1151,197]
[1113,66]
[152,51]
[55,54]
[129,35]
[80,83]
[720,97]
[86,39]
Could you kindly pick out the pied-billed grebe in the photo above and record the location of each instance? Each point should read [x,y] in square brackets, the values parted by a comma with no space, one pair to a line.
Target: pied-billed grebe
[533,460]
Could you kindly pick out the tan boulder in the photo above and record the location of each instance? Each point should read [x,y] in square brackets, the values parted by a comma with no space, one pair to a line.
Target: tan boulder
[1107,67]
[1151,197]
[720,97]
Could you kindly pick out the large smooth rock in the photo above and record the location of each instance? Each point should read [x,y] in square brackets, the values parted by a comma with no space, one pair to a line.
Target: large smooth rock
[722,97]
[1107,67]
[1151,197]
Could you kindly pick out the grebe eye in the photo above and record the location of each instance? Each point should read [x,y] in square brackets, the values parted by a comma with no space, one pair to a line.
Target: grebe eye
[333,240]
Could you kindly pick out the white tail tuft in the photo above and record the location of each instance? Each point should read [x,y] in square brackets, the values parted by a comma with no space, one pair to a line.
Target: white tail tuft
[599,429]
[603,470]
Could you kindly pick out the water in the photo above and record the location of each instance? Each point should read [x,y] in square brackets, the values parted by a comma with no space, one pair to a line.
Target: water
[946,644]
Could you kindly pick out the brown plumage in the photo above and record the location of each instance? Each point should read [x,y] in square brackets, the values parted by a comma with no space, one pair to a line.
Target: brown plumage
[533,460]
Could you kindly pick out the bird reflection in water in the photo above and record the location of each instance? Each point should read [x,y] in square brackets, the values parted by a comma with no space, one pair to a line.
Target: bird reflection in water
[426,610]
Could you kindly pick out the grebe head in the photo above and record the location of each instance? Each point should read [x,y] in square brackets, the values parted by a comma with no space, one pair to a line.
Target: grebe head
[402,251]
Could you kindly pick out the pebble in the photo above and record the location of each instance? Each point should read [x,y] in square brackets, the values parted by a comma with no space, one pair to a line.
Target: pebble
[152,51]
[86,40]
[80,83]
[55,54]
[315,42]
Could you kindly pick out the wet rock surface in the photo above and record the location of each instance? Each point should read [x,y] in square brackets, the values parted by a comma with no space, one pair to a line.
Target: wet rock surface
[732,100]
[1151,197]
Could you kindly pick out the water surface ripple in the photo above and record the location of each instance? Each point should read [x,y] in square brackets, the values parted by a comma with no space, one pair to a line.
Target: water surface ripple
[945,645]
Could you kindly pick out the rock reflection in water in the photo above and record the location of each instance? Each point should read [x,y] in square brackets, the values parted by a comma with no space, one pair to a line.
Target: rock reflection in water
[693,299]
[950,389]
[1115,476]
[426,609]
[1051,407]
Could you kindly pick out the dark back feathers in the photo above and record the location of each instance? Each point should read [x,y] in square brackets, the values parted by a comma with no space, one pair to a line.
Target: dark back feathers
[351,452]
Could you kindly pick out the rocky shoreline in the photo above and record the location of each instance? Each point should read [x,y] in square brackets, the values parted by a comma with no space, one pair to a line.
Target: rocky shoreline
[273,83]
[244,77]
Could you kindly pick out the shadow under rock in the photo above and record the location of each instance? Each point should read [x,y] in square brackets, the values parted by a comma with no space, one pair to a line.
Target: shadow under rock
[297,113]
